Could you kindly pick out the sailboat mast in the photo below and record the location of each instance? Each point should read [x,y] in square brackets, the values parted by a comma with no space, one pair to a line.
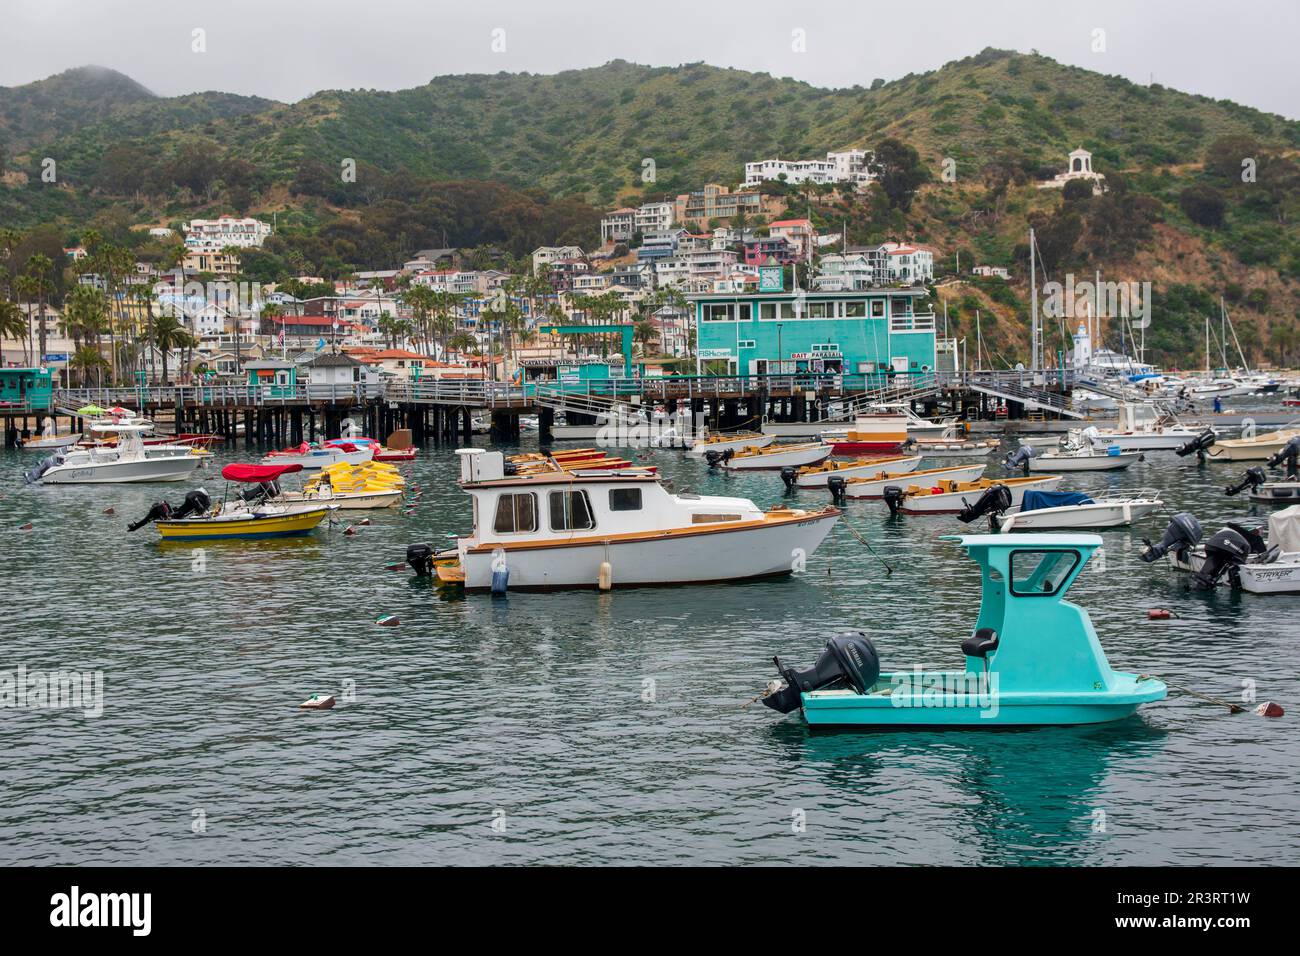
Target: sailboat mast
[1033,305]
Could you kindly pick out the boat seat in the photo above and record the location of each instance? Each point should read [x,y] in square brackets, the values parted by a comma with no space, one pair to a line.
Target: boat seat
[982,644]
[1269,556]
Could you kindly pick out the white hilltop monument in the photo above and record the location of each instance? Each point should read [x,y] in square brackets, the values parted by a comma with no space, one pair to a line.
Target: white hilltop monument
[1079,167]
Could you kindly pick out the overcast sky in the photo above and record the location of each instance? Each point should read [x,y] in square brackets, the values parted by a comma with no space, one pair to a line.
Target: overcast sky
[288,49]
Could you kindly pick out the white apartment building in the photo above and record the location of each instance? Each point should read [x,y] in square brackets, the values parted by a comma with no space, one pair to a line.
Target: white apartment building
[546,255]
[226,231]
[654,217]
[848,165]
[907,264]
[617,226]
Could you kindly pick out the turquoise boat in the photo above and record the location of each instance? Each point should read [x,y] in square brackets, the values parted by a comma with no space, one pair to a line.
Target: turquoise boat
[1033,658]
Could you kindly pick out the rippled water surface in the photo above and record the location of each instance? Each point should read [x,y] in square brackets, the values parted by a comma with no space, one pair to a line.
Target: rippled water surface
[529,711]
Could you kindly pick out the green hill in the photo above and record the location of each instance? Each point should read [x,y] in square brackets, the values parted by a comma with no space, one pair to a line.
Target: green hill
[512,160]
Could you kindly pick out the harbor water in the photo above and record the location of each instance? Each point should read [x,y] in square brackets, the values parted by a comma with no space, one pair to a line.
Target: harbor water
[603,728]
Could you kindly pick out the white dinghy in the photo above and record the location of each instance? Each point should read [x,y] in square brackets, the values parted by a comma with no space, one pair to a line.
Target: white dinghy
[1056,510]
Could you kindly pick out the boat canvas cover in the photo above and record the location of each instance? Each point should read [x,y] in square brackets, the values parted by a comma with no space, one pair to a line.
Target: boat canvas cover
[1036,500]
[257,472]
[1284,529]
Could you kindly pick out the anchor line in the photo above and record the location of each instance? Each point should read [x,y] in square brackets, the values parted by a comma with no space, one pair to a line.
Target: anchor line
[854,531]
[1232,708]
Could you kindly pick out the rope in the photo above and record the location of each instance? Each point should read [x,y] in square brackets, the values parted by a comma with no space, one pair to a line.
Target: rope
[1232,708]
[854,531]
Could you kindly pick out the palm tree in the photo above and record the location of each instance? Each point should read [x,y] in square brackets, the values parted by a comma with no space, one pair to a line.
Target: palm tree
[168,334]
[645,333]
[13,325]
[40,286]
[420,299]
[86,358]
[85,315]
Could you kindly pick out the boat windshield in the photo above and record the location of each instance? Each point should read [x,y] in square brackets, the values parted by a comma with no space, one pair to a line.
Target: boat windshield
[1038,573]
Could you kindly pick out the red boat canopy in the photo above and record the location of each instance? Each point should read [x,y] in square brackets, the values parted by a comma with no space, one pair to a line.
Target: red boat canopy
[257,472]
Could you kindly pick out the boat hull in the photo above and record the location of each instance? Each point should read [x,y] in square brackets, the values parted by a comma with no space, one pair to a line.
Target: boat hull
[1260,448]
[51,444]
[925,707]
[353,500]
[875,488]
[952,502]
[756,551]
[1279,577]
[1055,463]
[865,470]
[103,473]
[700,449]
[793,458]
[288,525]
[1145,441]
[1079,516]
[321,459]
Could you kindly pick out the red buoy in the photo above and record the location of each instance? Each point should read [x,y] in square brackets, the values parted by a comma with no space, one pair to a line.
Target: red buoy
[1269,709]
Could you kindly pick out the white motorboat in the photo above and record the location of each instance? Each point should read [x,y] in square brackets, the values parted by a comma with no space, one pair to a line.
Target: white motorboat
[873,486]
[773,457]
[312,457]
[1045,510]
[816,476]
[1236,553]
[948,497]
[1143,427]
[49,438]
[1217,388]
[126,461]
[1255,448]
[588,529]
[722,441]
[1075,453]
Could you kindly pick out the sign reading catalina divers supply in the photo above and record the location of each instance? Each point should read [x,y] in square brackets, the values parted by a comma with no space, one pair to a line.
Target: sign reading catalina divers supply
[771,278]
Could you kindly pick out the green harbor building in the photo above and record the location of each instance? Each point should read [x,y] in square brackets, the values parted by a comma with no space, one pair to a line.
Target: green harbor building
[876,333]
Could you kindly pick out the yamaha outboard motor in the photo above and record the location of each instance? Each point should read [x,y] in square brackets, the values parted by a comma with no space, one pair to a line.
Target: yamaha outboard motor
[1197,445]
[716,458]
[893,499]
[1183,534]
[995,500]
[838,485]
[1289,453]
[788,474]
[1253,478]
[1226,549]
[848,660]
[34,474]
[1019,459]
[196,502]
[420,558]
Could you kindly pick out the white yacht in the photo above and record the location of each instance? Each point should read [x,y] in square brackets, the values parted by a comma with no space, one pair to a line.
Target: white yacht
[606,529]
[126,461]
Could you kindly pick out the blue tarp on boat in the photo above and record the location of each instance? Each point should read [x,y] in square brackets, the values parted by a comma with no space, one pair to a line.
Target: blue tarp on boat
[1034,500]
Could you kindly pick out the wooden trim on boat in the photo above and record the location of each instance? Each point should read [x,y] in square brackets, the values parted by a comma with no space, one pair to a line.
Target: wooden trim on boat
[771,519]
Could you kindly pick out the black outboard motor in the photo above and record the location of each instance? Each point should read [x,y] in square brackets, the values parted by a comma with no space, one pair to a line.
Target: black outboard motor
[1226,549]
[848,660]
[994,502]
[1197,445]
[1289,453]
[713,457]
[259,492]
[420,558]
[1183,533]
[1019,459]
[893,499]
[1253,478]
[196,502]
[838,486]
[788,474]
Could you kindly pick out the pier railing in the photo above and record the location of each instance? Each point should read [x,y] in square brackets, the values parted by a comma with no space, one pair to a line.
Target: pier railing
[851,391]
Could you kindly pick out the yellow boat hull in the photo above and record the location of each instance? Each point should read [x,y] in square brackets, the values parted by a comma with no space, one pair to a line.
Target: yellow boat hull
[257,526]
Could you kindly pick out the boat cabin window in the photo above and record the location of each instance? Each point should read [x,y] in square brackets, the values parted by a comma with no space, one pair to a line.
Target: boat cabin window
[625,499]
[570,511]
[516,514]
[1039,573]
